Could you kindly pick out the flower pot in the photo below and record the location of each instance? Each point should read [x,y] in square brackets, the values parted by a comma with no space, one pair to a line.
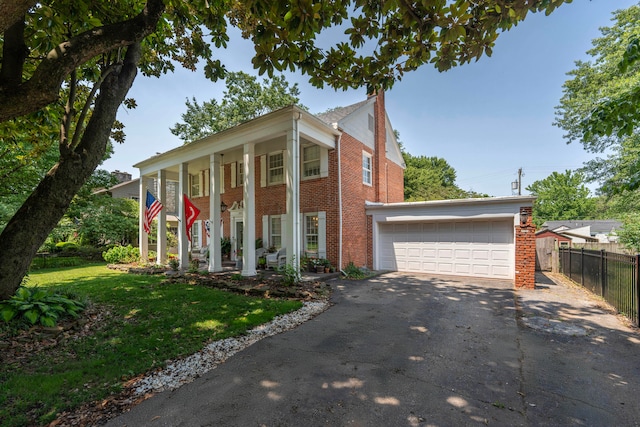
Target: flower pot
[327,269]
[319,269]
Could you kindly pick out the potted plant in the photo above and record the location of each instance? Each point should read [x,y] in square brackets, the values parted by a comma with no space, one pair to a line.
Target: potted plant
[327,265]
[262,262]
[320,265]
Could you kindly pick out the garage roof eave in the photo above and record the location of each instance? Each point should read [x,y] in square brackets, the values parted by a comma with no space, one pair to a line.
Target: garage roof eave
[521,200]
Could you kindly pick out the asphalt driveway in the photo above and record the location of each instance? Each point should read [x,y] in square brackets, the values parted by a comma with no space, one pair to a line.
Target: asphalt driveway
[417,350]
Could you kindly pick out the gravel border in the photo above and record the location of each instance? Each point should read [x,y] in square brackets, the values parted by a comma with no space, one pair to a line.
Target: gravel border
[184,371]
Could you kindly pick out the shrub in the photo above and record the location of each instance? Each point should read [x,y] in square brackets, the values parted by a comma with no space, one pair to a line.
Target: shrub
[121,255]
[67,247]
[353,272]
[194,264]
[174,264]
[290,274]
[33,306]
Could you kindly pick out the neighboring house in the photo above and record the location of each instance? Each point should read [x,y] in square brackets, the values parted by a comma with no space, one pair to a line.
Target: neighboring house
[129,188]
[292,179]
[602,231]
[563,241]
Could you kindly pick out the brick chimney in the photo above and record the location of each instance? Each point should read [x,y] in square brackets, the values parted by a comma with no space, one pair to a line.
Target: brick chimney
[380,154]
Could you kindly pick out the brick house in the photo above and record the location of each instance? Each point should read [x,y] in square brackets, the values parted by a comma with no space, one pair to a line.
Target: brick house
[294,180]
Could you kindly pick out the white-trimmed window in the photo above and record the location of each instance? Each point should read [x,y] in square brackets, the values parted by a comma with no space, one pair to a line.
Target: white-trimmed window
[275,165]
[196,242]
[310,161]
[195,185]
[367,166]
[311,233]
[275,231]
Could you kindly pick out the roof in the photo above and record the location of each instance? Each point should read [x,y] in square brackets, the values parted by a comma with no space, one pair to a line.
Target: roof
[119,185]
[336,114]
[599,226]
[546,232]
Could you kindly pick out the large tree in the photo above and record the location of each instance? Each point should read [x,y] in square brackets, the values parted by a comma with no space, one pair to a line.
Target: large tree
[94,49]
[244,99]
[561,196]
[600,106]
[430,178]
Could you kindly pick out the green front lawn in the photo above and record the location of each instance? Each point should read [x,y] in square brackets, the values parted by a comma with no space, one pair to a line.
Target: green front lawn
[146,323]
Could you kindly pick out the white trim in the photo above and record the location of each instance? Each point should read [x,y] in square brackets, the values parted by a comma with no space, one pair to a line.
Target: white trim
[369,156]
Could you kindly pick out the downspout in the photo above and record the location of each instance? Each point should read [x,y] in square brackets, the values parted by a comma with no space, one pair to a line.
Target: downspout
[339,205]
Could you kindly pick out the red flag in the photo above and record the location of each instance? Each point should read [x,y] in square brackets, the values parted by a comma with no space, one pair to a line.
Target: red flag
[190,213]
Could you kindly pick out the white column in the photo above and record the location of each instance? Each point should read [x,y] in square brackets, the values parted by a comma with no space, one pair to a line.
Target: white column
[143,240]
[293,195]
[215,255]
[161,250]
[249,212]
[183,243]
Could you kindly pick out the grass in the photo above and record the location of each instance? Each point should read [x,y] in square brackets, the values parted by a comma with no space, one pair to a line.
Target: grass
[149,323]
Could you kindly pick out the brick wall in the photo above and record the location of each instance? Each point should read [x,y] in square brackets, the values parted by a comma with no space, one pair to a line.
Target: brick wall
[354,195]
[321,194]
[525,252]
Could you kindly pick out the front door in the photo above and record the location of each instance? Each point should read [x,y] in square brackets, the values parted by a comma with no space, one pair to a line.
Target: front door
[238,228]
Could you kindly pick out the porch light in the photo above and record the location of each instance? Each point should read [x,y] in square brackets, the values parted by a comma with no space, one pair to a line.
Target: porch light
[524,217]
[223,207]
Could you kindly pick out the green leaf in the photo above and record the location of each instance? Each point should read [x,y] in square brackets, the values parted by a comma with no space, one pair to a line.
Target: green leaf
[7,313]
[32,316]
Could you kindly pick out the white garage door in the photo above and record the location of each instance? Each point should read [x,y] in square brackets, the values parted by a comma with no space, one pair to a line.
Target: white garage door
[471,248]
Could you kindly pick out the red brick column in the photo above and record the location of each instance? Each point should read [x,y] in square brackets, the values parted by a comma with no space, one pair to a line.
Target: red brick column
[525,251]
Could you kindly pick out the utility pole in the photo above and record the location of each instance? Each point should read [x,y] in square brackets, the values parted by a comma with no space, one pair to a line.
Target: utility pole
[517,184]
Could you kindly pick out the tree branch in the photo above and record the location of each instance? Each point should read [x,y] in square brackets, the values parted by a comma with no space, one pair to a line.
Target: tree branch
[44,86]
[13,11]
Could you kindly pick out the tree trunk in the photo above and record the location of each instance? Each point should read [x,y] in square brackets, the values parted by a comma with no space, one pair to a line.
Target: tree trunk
[29,227]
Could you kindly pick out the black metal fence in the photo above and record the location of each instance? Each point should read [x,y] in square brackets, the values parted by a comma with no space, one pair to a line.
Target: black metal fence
[613,276]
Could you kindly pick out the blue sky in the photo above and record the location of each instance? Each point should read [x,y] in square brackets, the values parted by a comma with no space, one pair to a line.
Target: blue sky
[486,119]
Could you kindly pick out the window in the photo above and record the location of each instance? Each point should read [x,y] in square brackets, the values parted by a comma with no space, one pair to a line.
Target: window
[366,168]
[240,174]
[195,185]
[311,233]
[371,123]
[195,235]
[276,168]
[310,161]
[275,232]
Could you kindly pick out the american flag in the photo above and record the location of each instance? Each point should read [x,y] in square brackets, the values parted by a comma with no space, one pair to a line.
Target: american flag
[153,208]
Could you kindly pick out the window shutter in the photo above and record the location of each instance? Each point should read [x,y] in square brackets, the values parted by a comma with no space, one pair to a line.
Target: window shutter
[283,227]
[324,162]
[222,178]
[265,231]
[234,174]
[207,182]
[322,234]
[263,170]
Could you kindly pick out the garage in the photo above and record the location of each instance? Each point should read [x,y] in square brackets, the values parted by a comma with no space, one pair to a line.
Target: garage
[475,248]
[468,237]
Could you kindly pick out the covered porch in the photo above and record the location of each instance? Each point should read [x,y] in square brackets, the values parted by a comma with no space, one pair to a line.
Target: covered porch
[265,156]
